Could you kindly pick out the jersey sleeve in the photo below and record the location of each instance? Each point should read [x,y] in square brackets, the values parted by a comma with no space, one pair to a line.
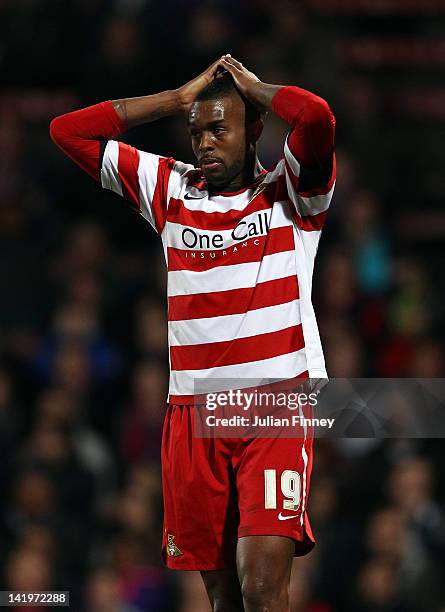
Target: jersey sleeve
[146,180]
[309,159]
[141,178]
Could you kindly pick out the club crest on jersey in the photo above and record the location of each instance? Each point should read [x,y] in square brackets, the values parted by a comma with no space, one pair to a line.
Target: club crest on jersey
[172,549]
[192,238]
[258,190]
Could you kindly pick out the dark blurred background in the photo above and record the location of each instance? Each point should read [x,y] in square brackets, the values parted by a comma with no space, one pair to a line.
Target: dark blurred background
[83,349]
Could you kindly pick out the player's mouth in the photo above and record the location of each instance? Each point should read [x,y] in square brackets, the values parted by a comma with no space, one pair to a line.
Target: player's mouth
[211,163]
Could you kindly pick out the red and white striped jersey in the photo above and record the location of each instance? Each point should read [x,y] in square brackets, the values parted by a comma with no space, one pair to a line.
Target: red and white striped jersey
[239,264]
[239,268]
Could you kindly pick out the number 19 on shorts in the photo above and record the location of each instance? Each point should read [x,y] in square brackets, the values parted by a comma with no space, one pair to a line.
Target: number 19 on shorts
[290,483]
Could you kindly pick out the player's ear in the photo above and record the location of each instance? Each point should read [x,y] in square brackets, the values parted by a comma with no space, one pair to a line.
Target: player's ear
[255,130]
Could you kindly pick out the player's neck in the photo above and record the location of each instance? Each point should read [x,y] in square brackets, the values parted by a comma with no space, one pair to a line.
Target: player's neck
[246,177]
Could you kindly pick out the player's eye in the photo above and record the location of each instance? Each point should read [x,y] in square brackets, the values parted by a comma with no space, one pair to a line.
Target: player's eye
[218,130]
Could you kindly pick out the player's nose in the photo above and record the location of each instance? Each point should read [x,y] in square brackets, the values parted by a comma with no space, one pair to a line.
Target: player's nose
[206,142]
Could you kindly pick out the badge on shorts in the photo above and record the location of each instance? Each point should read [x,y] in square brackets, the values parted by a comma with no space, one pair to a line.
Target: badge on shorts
[172,549]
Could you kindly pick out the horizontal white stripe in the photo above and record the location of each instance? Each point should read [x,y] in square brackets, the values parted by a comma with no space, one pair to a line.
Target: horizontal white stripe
[278,216]
[109,174]
[230,327]
[215,203]
[225,278]
[239,376]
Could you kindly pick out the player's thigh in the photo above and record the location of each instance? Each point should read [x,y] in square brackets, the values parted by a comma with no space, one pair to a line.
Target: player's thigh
[223,589]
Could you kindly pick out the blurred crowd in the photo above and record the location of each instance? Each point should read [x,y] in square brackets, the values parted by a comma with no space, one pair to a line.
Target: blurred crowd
[83,347]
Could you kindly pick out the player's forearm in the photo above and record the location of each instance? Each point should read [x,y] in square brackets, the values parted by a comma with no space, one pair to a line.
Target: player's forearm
[135,111]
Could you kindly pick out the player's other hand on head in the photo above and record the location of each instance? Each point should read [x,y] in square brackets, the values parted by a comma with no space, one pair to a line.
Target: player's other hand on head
[247,82]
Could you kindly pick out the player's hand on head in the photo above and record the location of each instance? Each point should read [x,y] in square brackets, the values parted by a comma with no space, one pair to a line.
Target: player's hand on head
[188,92]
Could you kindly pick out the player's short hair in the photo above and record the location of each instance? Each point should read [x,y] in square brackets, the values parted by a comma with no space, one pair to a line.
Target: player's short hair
[224,85]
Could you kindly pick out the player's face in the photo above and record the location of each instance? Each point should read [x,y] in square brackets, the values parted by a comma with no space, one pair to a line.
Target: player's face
[218,132]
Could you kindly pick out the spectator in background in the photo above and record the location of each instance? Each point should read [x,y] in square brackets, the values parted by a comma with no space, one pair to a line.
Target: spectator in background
[103,594]
[339,532]
[344,355]
[410,487]
[377,589]
[57,408]
[401,560]
[302,590]
[144,416]
[339,298]
[208,34]
[85,250]
[428,360]
[408,318]
[28,570]
[121,58]
[150,335]
[33,501]
[368,243]
[142,585]
[77,350]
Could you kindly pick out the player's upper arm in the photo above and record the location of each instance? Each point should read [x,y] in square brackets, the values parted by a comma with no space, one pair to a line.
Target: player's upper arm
[144,179]
[309,160]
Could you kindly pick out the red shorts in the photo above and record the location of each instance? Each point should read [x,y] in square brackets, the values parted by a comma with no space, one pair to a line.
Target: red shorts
[217,490]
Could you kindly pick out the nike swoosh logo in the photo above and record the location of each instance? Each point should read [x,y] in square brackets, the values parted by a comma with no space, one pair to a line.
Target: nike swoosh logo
[286,518]
[187,196]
